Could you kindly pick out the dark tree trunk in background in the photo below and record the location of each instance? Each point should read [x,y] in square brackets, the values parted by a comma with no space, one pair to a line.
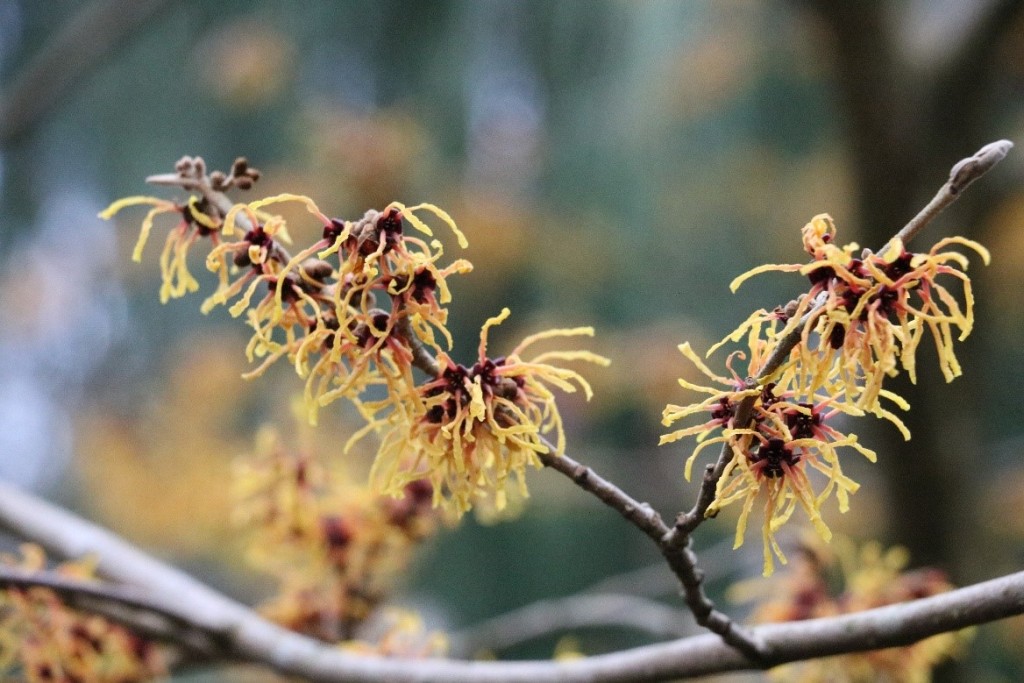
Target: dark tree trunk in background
[904,129]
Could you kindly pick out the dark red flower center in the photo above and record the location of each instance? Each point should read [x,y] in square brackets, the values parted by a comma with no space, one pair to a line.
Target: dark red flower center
[771,456]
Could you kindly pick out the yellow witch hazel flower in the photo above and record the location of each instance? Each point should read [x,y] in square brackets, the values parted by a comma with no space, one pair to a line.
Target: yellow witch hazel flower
[773,459]
[874,310]
[331,321]
[471,430]
[197,220]
[258,257]
[360,344]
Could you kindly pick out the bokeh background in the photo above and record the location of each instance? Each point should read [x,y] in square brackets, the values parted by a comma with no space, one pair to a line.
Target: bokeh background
[612,163]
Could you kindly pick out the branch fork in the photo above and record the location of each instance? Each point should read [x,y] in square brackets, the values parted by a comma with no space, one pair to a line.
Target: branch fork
[675,542]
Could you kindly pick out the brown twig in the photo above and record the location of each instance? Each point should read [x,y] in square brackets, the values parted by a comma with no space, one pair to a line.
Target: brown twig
[421,356]
[681,558]
[641,515]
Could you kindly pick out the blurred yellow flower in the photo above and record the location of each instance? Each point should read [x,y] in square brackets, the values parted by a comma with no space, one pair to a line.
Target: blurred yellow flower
[335,548]
[853,579]
[400,633]
[43,640]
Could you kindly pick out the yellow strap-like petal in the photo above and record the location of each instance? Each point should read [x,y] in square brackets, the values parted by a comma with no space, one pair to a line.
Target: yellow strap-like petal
[768,267]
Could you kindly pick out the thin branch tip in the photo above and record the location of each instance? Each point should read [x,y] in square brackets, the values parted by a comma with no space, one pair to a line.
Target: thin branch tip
[963,173]
[966,171]
[164,179]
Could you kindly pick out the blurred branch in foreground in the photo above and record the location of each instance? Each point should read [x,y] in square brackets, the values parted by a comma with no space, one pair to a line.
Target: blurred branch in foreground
[243,635]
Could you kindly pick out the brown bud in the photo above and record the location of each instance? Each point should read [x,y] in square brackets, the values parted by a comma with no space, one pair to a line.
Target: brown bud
[337,532]
[506,387]
[790,309]
[290,287]
[368,243]
[317,269]
[241,258]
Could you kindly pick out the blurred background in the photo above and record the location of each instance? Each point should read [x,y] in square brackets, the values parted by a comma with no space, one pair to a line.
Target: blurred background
[612,163]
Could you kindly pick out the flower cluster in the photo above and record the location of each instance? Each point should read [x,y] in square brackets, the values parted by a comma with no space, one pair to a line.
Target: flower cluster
[318,308]
[355,313]
[787,438]
[336,549]
[44,640]
[399,634]
[852,579]
[471,429]
[860,322]
[869,312]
